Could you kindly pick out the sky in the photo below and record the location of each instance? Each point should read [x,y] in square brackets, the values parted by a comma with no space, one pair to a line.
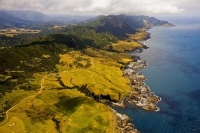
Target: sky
[105,7]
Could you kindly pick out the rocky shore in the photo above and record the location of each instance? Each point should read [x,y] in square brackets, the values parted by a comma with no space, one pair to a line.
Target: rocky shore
[124,123]
[140,94]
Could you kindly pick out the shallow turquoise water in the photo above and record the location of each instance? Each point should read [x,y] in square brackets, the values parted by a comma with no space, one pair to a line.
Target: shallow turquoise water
[173,73]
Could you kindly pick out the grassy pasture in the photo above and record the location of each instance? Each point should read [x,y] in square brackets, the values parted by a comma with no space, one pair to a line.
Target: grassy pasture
[10,99]
[103,76]
[139,35]
[61,110]
[122,46]
[51,82]
[58,109]
[13,31]
[73,112]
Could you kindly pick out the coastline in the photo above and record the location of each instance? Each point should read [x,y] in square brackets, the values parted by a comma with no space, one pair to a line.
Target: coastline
[87,71]
[140,94]
[124,123]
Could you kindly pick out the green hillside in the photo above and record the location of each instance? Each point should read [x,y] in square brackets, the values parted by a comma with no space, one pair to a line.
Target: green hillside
[59,82]
[112,25]
[125,23]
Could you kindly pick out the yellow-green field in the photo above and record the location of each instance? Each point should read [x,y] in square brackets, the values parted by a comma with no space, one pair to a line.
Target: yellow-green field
[57,105]
[122,46]
[139,35]
[67,111]
[54,108]
[58,27]
[11,99]
[103,76]
[16,31]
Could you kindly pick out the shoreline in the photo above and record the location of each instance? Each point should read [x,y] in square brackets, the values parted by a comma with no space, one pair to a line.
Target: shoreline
[140,94]
[124,123]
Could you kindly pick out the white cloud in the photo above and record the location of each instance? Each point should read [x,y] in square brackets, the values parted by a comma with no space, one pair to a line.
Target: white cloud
[99,6]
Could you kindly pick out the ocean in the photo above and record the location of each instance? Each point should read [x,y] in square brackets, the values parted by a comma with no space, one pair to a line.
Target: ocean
[173,73]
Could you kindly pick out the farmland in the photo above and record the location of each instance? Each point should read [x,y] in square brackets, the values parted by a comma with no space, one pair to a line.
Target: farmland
[16,31]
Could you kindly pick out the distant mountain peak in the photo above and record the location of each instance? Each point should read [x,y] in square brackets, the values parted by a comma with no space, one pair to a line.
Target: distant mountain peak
[28,15]
[8,20]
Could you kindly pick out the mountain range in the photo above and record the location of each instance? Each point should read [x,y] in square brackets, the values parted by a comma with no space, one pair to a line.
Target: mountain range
[115,23]
[8,20]
[22,18]
[28,15]
[120,25]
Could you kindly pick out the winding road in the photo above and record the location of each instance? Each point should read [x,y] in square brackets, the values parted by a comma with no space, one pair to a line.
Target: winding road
[41,87]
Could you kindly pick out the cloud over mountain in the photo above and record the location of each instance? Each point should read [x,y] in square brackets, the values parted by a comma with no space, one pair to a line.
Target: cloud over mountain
[99,6]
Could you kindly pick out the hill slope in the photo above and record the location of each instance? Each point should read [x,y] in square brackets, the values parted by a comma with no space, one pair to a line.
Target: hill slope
[113,25]
[55,82]
[120,25]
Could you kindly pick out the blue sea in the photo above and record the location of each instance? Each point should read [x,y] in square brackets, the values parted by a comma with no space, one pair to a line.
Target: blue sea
[173,73]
